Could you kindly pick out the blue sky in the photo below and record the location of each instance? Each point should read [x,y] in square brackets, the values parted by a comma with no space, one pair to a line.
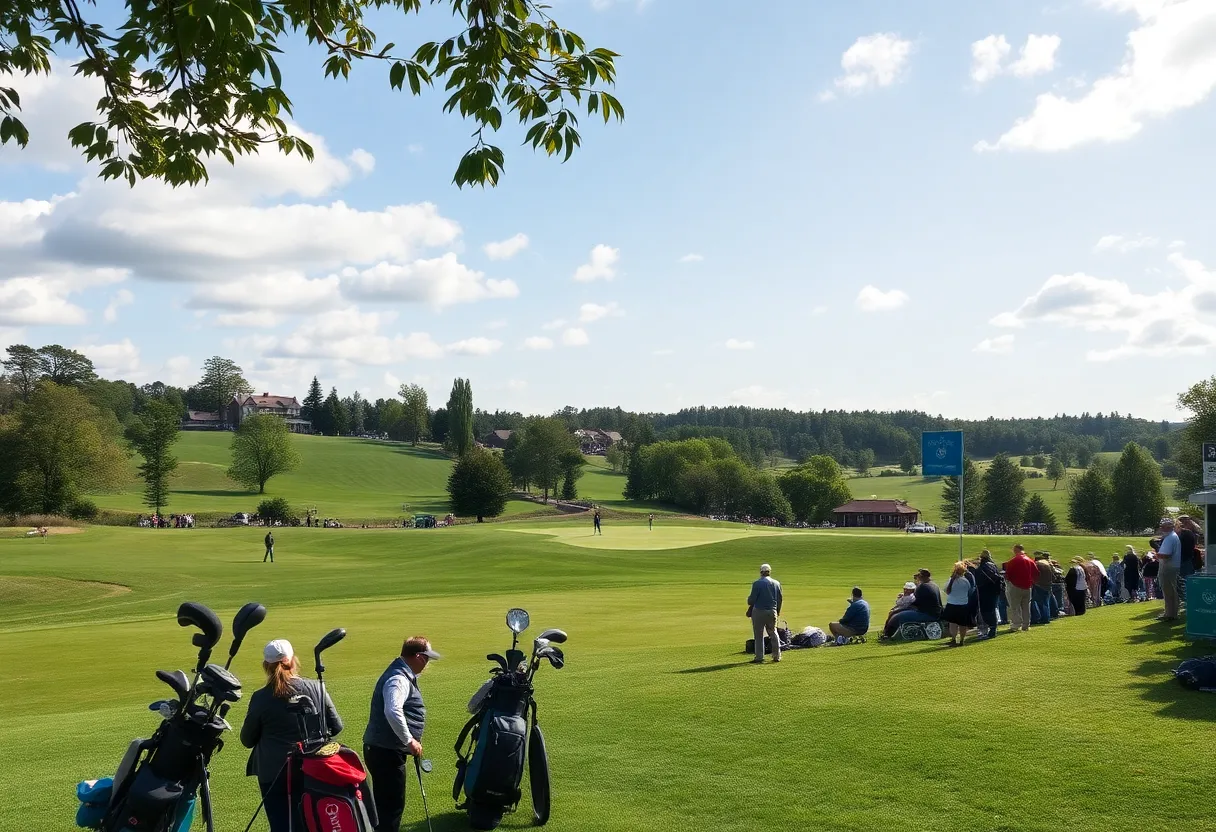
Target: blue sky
[997,208]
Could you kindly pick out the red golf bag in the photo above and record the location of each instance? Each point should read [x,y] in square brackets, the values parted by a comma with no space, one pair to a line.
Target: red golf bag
[328,791]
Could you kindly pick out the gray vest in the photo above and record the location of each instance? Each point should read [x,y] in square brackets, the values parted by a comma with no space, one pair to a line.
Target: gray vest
[379,733]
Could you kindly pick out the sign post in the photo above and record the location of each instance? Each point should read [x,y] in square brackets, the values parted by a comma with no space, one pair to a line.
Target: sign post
[941,455]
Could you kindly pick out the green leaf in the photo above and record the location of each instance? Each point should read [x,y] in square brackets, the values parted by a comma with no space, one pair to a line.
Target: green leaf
[396,75]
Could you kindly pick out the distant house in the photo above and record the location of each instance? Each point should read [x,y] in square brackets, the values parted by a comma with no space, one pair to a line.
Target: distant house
[286,407]
[497,438]
[201,420]
[596,441]
[879,514]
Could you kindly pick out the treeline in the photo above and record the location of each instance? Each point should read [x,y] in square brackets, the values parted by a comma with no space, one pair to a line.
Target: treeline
[707,476]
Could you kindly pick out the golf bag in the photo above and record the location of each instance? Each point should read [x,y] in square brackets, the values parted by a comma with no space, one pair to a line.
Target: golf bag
[1197,674]
[503,734]
[158,780]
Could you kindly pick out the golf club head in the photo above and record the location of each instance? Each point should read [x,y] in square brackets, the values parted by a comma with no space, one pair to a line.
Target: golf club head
[247,617]
[494,657]
[193,614]
[517,620]
[556,661]
[557,651]
[555,636]
[539,644]
[329,640]
[177,680]
[425,765]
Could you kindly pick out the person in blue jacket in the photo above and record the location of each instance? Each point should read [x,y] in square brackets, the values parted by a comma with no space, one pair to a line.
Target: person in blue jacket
[855,621]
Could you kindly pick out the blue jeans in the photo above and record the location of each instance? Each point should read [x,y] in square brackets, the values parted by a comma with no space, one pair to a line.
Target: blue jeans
[905,617]
[1040,605]
[1002,607]
[1057,600]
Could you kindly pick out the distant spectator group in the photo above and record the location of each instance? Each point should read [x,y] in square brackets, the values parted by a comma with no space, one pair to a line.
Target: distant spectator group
[160,521]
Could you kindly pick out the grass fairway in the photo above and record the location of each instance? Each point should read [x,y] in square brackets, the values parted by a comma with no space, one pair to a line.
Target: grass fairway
[350,479]
[640,538]
[657,722]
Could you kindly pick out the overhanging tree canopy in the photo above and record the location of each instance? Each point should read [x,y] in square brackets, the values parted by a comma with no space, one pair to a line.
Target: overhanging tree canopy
[185,82]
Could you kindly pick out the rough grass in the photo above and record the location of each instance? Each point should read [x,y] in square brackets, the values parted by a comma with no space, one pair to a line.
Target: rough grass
[656,722]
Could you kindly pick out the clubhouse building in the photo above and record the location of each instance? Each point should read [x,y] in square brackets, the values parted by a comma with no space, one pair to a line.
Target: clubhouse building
[876,514]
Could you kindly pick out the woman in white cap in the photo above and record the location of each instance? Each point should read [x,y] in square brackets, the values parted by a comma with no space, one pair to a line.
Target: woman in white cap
[272,728]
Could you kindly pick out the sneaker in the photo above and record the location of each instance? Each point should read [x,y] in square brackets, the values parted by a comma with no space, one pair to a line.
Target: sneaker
[841,640]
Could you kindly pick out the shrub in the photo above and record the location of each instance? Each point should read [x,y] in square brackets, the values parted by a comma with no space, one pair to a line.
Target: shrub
[81,509]
[276,508]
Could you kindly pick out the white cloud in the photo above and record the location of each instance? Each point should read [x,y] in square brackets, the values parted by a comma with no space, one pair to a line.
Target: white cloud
[873,61]
[1170,64]
[1177,245]
[819,310]
[990,57]
[1037,56]
[1169,322]
[363,160]
[692,258]
[873,299]
[114,361]
[592,312]
[1122,245]
[28,301]
[538,342]
[737,344]
[557,323]
[1000,345]
[256,319]
[664,351]
[474,346]
[352,336]
[287,292]
[515,385]
[601,265]
[508,248]
[575,337]
[122,297]
[179,371]
[441,281]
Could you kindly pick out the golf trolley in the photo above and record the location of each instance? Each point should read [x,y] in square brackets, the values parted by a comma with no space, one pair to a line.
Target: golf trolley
[490,769]
[156,784]
[327,785]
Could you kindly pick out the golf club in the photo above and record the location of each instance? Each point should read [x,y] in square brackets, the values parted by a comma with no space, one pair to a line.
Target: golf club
[327,641]
[192,614]
[557,636]
[177,680]
[495,657]
[421,765]
[247,617]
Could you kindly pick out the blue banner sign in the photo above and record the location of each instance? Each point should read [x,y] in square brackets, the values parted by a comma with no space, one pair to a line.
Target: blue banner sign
[941,453]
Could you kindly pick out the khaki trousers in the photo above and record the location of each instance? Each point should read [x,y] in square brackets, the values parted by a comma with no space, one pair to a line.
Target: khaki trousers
[1019,607]
[1168,576]
[765,620]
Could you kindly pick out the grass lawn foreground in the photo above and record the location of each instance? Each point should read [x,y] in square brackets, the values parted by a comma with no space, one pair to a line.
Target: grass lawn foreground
[657,722]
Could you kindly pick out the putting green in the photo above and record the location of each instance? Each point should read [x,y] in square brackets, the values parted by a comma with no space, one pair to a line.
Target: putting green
[634,538]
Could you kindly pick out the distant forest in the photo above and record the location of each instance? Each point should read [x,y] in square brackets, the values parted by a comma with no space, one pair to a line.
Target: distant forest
[758,434]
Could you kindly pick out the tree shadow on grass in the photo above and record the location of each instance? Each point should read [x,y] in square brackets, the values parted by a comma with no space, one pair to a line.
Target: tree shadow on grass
[448,821]
[1157,684]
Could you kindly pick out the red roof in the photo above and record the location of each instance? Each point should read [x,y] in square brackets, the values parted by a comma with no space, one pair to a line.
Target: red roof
[875,507]
[267,400]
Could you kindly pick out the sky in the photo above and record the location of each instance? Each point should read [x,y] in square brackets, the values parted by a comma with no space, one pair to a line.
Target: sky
[998,208]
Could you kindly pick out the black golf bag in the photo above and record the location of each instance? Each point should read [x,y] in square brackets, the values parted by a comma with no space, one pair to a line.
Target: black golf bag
[503,734]
[158,780]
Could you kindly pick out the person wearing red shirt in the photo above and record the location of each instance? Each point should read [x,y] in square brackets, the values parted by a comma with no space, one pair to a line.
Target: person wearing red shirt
[1020,575]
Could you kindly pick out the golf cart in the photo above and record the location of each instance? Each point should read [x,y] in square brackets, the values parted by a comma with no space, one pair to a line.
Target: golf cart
[424,521]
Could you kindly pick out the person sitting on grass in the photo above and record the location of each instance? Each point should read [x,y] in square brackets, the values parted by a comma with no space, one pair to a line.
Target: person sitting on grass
[926,606]
[855,621]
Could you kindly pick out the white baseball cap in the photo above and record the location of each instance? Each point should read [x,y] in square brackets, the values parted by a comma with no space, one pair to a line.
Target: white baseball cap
[764,567]
[278,650]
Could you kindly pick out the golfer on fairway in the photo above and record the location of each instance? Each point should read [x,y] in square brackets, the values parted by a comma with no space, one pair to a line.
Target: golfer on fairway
[269,548]
[394,729]
[764,605]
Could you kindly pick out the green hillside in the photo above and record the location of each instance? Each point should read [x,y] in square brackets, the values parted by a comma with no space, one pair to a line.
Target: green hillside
[349,479]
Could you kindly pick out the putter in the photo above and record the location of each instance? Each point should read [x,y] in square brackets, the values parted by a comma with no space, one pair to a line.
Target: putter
[421,765]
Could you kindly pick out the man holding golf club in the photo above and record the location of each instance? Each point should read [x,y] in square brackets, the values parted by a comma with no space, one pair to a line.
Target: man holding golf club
[394,729]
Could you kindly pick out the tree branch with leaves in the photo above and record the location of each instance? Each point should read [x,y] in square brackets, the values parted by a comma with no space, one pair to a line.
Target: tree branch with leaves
[187,82]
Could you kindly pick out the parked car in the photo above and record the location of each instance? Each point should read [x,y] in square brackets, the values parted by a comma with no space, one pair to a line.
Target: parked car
[240,519]
[923,528]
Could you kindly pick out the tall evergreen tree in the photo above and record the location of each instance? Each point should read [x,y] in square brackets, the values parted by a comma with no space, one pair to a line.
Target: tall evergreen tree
[1037,511]
[973,494]
[310,408]
[222,379]
[336,419]
[1137,501]
[1089,501]
[153,435]
[1004,497]
[24,368]
[358,413]
[460,417]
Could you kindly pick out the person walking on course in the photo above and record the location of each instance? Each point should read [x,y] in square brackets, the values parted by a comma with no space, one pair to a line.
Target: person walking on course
[652,522]
[272,729]
[269,548]
[394,729]
[1020,575]
[1170,555]
[595,519]
[764,606]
